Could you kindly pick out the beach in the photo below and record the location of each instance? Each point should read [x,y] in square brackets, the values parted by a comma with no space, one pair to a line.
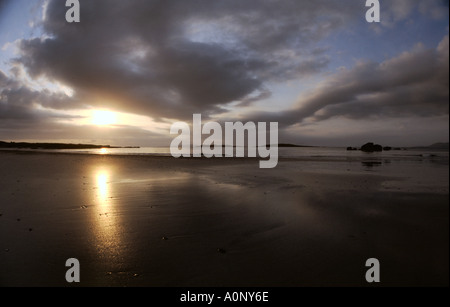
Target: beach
[157,221]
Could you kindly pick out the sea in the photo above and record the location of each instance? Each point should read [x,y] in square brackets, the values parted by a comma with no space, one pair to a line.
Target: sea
[432,155]
[325,154]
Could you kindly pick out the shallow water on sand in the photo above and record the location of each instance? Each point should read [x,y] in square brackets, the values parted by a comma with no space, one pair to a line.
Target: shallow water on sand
[158,221]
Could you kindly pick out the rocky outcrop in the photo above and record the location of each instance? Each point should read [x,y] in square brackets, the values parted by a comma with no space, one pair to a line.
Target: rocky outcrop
[371,147]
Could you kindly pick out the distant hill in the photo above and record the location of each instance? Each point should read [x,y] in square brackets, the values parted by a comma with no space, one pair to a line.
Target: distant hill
[292,145]
[23,145]
[439,146]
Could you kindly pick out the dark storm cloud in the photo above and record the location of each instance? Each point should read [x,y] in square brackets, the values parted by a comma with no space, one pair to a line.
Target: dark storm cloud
[21,103]
[173,58]
[414,83]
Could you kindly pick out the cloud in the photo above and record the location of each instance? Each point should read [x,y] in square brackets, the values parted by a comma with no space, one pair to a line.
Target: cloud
[393,12]
[415,83]
[19,102]
[171,59]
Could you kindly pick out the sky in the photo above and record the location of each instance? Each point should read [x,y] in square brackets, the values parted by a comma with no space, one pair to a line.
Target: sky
[130,69]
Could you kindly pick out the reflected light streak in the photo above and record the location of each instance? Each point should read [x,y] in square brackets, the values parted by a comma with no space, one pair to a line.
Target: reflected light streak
[108,238]
[102,185]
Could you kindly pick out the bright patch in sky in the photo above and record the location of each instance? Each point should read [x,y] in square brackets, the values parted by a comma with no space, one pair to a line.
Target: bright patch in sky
[103,118]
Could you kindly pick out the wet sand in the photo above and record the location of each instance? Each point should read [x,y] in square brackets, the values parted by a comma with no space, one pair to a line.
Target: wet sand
[163,222]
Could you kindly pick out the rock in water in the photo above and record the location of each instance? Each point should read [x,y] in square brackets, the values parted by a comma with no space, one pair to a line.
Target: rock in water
[222,251]
[371,147]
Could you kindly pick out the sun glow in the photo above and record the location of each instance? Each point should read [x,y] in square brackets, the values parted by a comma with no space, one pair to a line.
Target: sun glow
[102,118]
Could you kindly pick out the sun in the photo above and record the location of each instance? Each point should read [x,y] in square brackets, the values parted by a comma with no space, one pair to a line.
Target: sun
[102,118]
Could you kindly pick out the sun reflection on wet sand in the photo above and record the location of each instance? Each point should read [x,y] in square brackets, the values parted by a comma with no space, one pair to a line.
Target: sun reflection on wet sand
[102,187]
[106,222]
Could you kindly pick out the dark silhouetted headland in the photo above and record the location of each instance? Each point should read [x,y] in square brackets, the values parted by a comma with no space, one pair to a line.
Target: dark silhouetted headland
[24,145]
[439,146]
